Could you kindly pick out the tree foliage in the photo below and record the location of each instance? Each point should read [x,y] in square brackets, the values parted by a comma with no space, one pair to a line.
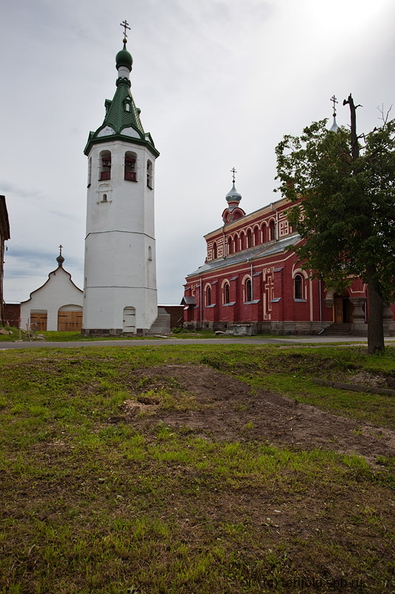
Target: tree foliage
[344,205]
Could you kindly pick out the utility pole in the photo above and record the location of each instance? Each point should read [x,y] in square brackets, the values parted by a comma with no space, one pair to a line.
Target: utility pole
[354,137]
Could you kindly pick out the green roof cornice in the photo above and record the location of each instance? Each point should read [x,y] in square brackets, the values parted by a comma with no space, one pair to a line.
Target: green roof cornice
[147,142]
[121,115]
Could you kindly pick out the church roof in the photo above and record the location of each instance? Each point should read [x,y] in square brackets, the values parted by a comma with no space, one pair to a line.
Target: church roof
[122,118]
[259,251]
[53,276]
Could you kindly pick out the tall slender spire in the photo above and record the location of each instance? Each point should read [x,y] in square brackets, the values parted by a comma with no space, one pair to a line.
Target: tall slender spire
[122,118]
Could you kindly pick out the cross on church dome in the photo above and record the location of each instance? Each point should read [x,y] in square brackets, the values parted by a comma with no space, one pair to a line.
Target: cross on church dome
[233,171]
[334,127]
[125,26]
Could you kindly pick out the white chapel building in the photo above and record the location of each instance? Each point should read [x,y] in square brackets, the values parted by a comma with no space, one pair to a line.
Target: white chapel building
[120,294]
[56,305]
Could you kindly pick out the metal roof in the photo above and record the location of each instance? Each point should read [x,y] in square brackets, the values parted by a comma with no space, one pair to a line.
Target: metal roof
[260,251]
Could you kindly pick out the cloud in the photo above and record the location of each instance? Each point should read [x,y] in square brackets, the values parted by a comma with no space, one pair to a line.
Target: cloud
[219,82]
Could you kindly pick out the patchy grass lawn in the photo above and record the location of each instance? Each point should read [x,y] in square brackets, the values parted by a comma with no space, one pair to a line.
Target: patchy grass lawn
[176,470]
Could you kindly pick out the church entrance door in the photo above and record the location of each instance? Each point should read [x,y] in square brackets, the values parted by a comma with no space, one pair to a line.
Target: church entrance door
[129,320]
[38,320]
[343,309]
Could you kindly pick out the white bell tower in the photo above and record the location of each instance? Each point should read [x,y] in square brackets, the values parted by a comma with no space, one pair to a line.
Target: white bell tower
[120,295]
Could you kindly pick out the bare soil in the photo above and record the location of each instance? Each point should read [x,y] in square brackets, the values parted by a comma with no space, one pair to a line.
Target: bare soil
[227,408]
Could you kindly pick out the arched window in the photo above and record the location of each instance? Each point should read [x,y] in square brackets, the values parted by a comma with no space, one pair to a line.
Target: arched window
[264,233]
[105,165]
[150,179]
[256,236]
[298,286]
[215,251]
[130,166]
[272,231]
[248,290]
[230,246]
[208,295]
[226,293]
[249,238]
[242,240]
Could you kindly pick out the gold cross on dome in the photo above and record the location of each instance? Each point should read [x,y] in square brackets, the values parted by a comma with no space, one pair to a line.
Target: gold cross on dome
[125,26]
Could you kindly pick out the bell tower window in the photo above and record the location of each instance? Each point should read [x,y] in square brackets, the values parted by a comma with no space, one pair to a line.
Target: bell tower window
[105,165]
[130,166]
[149,175]
[90,172]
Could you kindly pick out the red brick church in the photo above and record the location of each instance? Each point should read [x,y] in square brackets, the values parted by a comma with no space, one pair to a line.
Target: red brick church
[252,283]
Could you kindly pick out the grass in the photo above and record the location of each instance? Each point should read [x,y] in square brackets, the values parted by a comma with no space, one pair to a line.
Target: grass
[93,502]
[14,334]
[291,371]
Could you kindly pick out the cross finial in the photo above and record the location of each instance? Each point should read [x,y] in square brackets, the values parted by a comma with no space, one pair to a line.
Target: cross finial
[125,26]
[334,101]
[233,172]
[60,250]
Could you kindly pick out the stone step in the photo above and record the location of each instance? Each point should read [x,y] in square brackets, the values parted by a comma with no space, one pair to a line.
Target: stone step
[162,323]
[338,329]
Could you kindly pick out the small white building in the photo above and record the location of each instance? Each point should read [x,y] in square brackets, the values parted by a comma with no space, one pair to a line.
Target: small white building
[56,305]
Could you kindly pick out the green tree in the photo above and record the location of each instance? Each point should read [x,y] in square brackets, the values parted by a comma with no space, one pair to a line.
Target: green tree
[344,208]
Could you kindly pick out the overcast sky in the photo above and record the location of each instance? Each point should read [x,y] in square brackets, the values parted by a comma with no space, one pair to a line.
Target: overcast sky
[219,82]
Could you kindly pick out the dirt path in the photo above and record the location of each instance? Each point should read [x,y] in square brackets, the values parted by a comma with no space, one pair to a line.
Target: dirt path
[229,409]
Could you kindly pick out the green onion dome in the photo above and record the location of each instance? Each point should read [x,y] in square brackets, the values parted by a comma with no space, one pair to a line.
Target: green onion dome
[124,58]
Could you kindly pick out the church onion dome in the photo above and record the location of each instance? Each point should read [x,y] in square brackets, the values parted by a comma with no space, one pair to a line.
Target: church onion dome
[124,58]
[233,196]
[334,127]
[233,212]
[60,258]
